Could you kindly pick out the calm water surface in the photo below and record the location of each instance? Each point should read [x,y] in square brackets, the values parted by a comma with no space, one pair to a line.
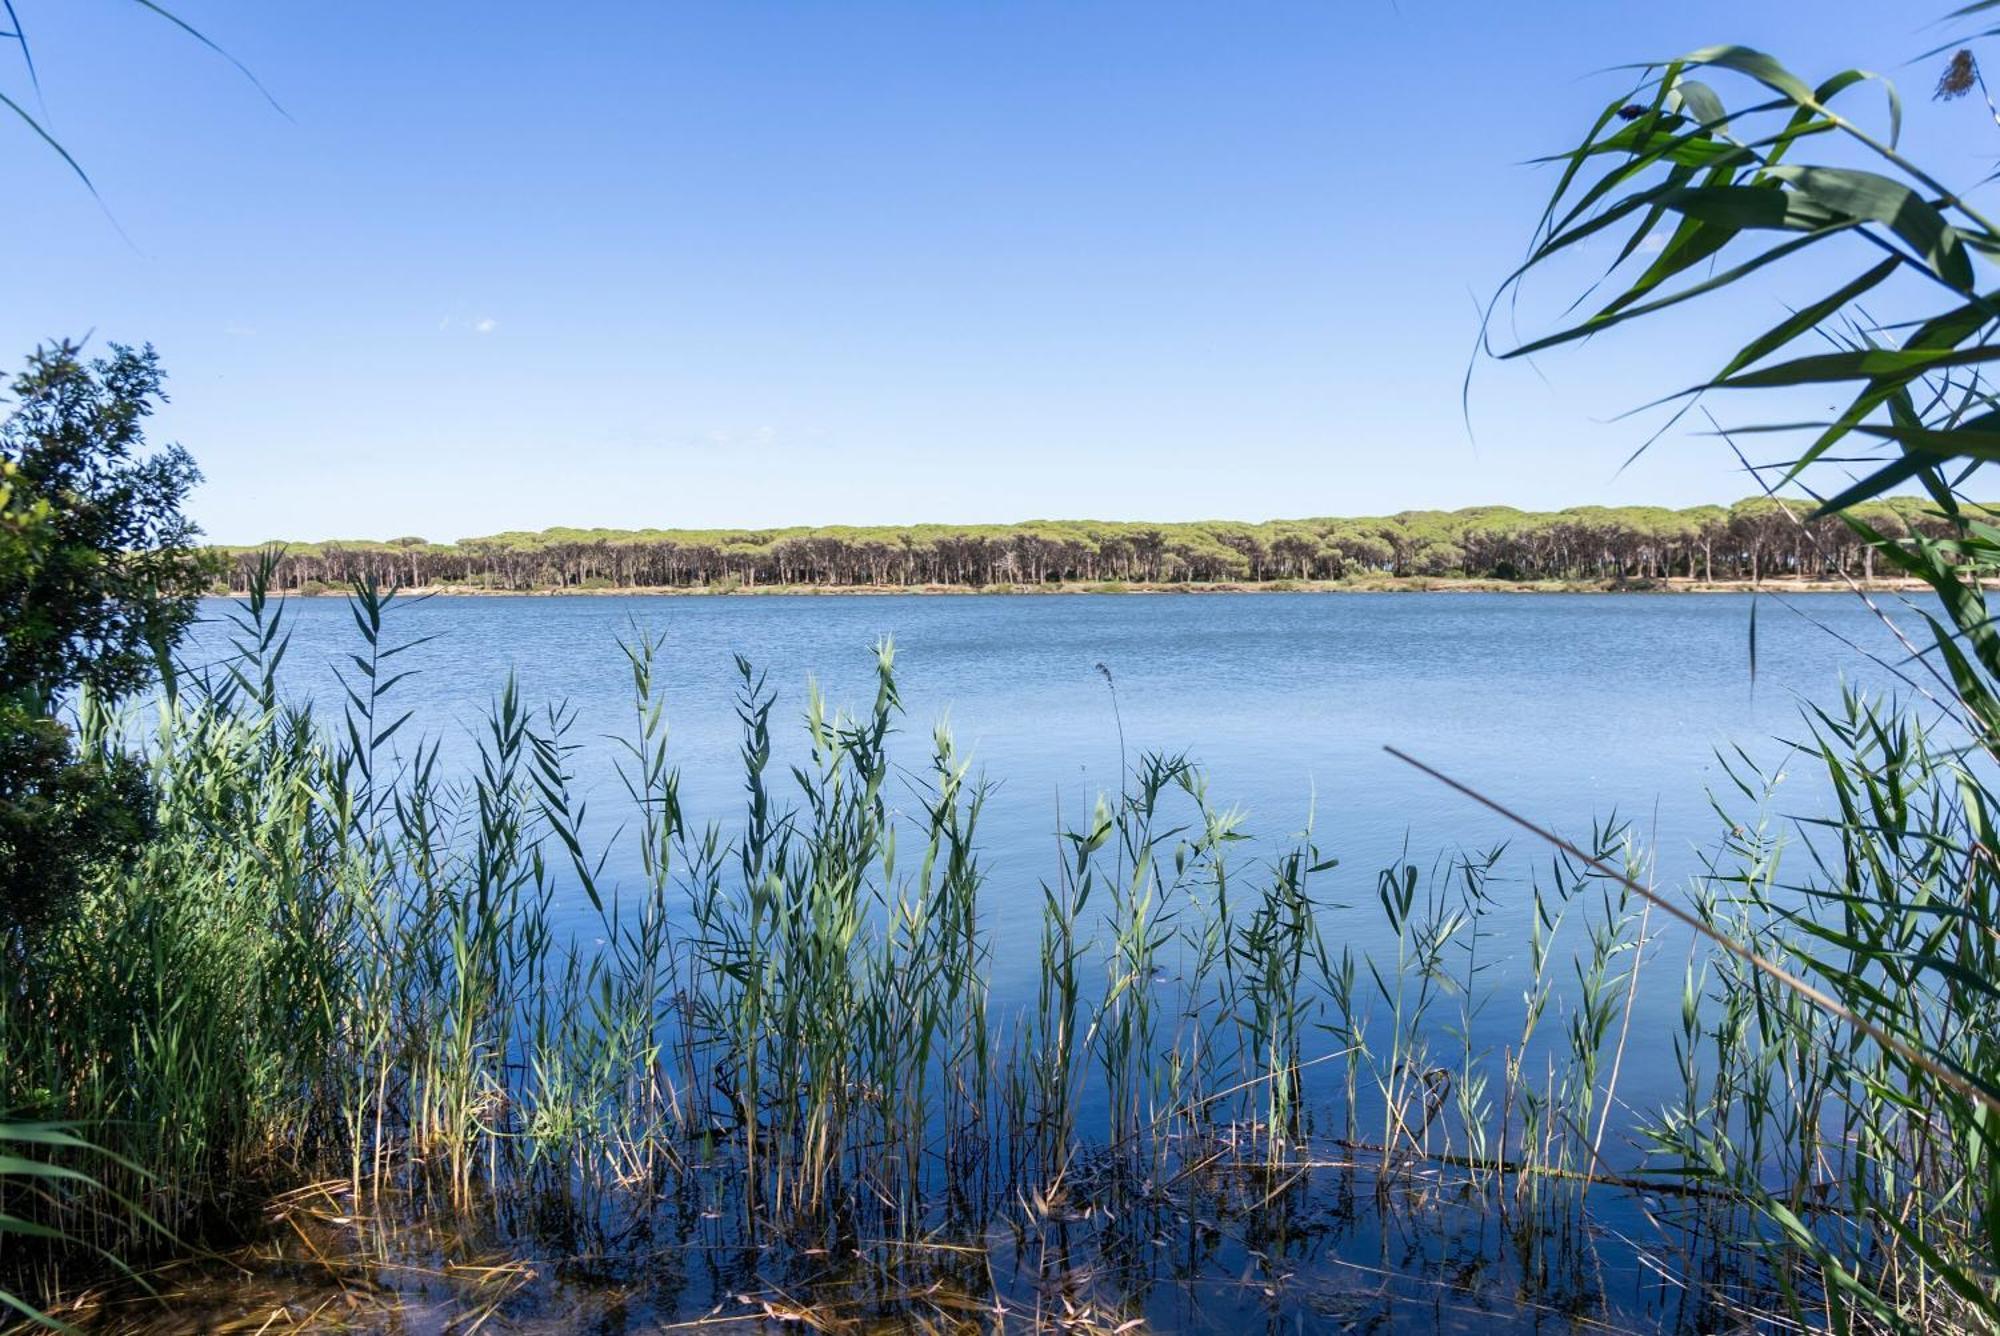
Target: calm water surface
[1573,709]
[1570,708]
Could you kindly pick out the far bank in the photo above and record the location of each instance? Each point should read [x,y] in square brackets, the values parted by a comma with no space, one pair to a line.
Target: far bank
[1368,585]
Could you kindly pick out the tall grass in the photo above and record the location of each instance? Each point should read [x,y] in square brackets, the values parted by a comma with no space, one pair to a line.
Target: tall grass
[1842,1157]
[340,965]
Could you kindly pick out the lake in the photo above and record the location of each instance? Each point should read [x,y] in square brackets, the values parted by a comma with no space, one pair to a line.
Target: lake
[1574,710]
[1567,707]
[1571,709]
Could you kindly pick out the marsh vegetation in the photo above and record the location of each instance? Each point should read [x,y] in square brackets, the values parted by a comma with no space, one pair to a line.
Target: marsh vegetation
[306,1025]
[337,1012]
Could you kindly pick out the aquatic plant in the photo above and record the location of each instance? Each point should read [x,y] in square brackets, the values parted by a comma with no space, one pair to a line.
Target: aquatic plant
[428,995]
[1849,1098]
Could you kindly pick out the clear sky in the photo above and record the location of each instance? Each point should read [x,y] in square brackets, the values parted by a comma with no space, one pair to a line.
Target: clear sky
[754,262]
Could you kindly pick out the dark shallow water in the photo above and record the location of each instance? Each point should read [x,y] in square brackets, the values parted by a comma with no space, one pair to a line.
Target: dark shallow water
[1572,709]
[1325,1251]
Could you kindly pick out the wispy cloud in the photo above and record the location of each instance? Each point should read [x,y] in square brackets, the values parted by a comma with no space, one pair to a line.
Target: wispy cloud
[736,437]
[727,437]
[486,324]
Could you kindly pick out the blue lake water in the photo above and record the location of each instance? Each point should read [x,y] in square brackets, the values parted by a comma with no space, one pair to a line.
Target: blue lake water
[1572,709]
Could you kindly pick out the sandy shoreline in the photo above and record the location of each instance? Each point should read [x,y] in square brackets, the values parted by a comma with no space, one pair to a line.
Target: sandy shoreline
[1386,585]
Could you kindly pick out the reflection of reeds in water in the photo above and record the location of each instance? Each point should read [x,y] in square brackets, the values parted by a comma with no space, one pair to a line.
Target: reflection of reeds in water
[1234,1244]
[778,1042]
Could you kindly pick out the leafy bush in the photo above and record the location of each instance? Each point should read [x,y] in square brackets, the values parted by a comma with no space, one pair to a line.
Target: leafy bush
[98,577]
[61,814]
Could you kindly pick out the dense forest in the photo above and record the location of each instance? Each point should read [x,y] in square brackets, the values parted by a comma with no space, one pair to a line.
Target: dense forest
[1751,540]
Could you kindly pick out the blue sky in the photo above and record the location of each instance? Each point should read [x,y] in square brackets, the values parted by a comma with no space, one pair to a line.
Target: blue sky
[751,263]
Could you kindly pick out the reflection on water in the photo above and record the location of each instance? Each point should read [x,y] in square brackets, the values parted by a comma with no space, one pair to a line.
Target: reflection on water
[1321,1243]
[1569,708]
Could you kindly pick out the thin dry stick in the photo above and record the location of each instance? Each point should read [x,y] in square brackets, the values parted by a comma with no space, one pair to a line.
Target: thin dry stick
[1923,1061]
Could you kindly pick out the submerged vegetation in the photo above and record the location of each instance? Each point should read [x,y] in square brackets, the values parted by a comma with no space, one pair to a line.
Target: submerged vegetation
[1751,540]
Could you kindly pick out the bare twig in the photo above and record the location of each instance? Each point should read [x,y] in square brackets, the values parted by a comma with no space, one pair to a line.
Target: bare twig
[1929,1065]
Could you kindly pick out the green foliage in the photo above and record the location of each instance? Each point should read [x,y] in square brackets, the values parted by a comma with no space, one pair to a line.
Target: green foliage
[108,573]
[23,521]
[1840,1154]
[1849,1111]
[334,958]
[61,814]
[1713,186]
[98,577]
[37,1158]
[1751,540]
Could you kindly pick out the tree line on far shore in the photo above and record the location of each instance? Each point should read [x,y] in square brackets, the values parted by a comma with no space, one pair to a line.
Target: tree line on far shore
[1757,539]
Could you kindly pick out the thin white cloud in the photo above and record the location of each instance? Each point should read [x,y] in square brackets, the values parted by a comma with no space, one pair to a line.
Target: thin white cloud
[736,437]
[486,324]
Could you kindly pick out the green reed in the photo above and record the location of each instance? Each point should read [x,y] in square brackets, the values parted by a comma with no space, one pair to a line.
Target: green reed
[1847,1162]
[339,961]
